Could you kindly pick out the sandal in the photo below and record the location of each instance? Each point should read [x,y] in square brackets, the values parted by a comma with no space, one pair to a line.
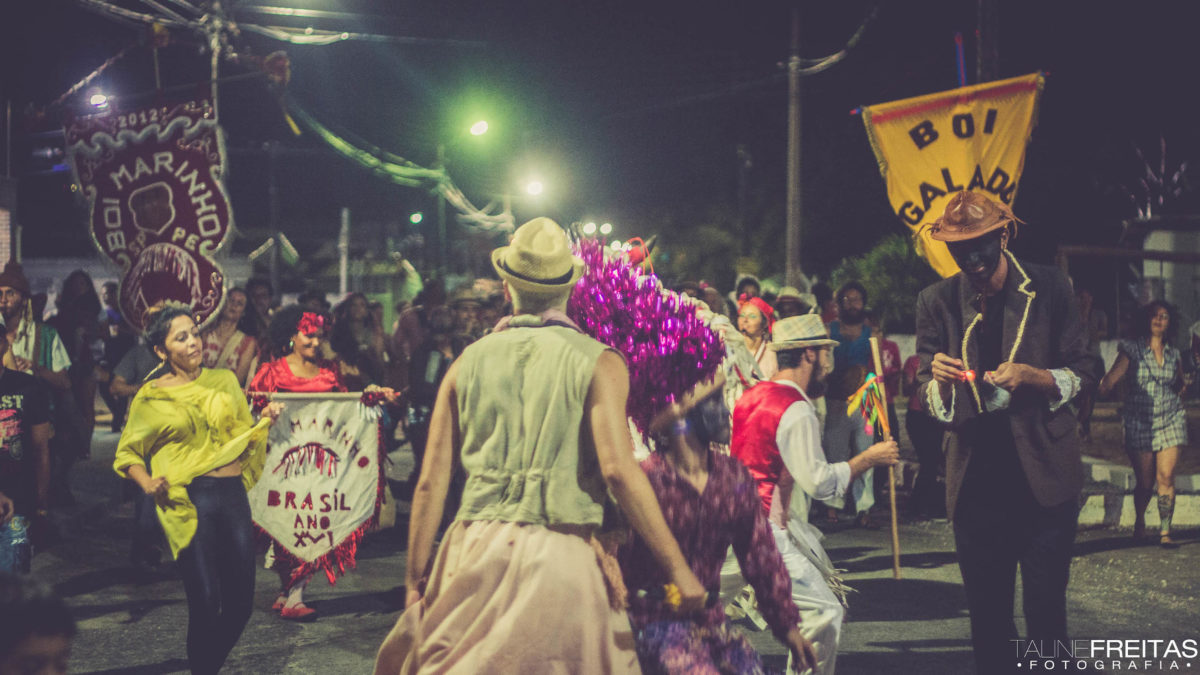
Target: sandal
[301,613]
[277,606]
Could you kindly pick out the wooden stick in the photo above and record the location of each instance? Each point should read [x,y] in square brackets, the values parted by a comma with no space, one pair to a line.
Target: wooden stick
[891,468]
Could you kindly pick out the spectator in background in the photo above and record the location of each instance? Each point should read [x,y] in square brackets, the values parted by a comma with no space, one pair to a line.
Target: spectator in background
[358,342]
[845,437]
[261,297]
[413,324]
[24,465]
[925,433]
[1095,325]
[789,303]
[465,305]
[77,322]
[826,306]
[689,288]
[313,300]
[428,366]
[715,301]
[225,345]
[494,307]
[146,547]
[36,629]
[118,337]
[1155,420]
[755,318]
[747,285]
[35,349]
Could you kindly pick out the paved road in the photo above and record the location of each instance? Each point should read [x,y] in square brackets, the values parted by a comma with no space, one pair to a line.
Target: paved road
[914,625]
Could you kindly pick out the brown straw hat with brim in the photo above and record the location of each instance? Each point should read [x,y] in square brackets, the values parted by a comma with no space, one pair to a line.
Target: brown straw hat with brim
[969,215]
[800,332]
[539,259]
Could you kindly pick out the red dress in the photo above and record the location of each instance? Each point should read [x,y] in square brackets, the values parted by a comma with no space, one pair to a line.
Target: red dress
[277,375]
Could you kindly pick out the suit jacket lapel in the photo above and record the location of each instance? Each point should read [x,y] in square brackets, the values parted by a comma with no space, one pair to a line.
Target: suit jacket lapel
[1017,305]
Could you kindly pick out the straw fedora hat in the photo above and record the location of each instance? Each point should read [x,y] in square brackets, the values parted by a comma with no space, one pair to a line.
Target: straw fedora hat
[799,332]
[539,259]
[969,215]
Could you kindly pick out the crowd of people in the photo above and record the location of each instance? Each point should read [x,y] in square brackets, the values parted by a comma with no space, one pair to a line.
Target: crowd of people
[517,420]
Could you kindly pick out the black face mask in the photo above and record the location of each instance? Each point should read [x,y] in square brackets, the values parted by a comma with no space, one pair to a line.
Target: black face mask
[978,258]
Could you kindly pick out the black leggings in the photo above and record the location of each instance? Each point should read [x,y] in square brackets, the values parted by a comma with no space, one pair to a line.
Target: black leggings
[218,571]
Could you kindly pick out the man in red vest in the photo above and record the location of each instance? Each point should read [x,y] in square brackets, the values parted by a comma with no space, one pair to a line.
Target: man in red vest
[777,436]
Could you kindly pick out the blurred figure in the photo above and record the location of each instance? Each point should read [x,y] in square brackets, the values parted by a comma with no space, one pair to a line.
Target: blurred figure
[77,322]
[716,302]
[465,304]
[225,345]
[747,285]
[1155,420]
[118,337]
[826,306]
[845,436]
[358,342]
[689,288]
[413,324]
[261,300]
[1095,325]
[313,300]
[35,348]
[428,366]
[24,466]
[755,318]
[789,303]
[928,498]
[36,629]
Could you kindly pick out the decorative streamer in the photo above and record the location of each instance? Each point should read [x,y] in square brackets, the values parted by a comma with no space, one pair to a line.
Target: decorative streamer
[667,347]
[869,400]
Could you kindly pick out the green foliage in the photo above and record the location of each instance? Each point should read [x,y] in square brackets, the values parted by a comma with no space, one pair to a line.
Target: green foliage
[893,275]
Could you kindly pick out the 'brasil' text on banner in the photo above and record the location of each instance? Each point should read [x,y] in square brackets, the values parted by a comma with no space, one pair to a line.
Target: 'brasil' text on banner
[932,146]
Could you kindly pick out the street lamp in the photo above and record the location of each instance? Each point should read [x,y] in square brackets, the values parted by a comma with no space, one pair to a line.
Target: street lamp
[534,187]
[477,129]
[589,228]
[606,229]
[416,218]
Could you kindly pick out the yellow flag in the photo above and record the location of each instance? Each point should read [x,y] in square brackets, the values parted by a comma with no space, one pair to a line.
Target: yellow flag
[932,146]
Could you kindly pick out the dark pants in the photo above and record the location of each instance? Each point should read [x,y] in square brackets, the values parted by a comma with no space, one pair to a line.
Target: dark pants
[925,433]
[998,525]
[218,571]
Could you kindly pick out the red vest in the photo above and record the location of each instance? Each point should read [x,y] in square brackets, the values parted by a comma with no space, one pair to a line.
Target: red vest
[755,422]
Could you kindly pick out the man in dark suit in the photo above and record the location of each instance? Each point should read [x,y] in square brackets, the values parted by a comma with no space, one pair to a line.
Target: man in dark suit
[1002,352]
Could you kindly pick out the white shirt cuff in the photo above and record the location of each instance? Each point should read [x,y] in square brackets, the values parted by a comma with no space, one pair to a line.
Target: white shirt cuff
[933,400]
[1068,387]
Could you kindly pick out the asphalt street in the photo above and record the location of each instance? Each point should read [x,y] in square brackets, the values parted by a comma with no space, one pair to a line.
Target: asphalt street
[135,623]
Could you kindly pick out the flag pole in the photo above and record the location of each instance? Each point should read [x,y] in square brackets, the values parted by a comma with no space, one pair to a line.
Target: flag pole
[891,468]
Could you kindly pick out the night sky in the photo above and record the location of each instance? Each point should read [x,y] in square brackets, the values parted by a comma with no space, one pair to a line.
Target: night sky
[632,112]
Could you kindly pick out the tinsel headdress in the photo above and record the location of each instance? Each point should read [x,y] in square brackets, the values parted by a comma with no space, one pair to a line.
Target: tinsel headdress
[667,347]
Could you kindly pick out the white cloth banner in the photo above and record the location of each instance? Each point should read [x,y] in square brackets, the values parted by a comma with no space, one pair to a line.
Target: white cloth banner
[321,485]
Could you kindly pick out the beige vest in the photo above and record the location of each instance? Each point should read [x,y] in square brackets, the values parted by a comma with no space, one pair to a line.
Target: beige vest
[521,395]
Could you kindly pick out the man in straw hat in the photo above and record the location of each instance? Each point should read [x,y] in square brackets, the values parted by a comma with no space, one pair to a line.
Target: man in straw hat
[777,436]
[1002,351]
[535,413]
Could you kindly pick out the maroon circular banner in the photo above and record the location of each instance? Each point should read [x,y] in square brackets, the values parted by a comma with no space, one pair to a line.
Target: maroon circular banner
[158,206]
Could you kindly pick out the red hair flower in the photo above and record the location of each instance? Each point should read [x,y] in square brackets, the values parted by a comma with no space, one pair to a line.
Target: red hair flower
[310,323]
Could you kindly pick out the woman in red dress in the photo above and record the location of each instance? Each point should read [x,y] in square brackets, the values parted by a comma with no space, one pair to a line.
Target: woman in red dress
[295,337]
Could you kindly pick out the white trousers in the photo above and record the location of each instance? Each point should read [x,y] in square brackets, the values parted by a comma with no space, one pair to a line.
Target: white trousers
[821,614]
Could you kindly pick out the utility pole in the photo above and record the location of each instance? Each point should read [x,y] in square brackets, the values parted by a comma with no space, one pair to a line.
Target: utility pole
[794,221]
[987,49]
[343,246]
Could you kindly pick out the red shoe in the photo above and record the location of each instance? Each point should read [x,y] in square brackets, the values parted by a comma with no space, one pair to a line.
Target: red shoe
[277,607]
[300,613]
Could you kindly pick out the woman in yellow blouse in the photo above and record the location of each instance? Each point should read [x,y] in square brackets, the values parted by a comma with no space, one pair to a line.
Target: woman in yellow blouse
[191,443]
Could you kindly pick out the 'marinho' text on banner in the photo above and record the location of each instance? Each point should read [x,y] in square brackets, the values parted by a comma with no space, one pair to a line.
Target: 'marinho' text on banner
[932,146]
[153,180]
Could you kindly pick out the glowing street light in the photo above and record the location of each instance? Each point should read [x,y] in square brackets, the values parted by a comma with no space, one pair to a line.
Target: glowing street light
[606,229]
[98,99]
[616,246]
[479,128]
[589,228]
[534,187]
[416,218]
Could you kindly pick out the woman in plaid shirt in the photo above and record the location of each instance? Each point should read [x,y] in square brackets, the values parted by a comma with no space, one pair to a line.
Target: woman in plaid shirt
[1155,422]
